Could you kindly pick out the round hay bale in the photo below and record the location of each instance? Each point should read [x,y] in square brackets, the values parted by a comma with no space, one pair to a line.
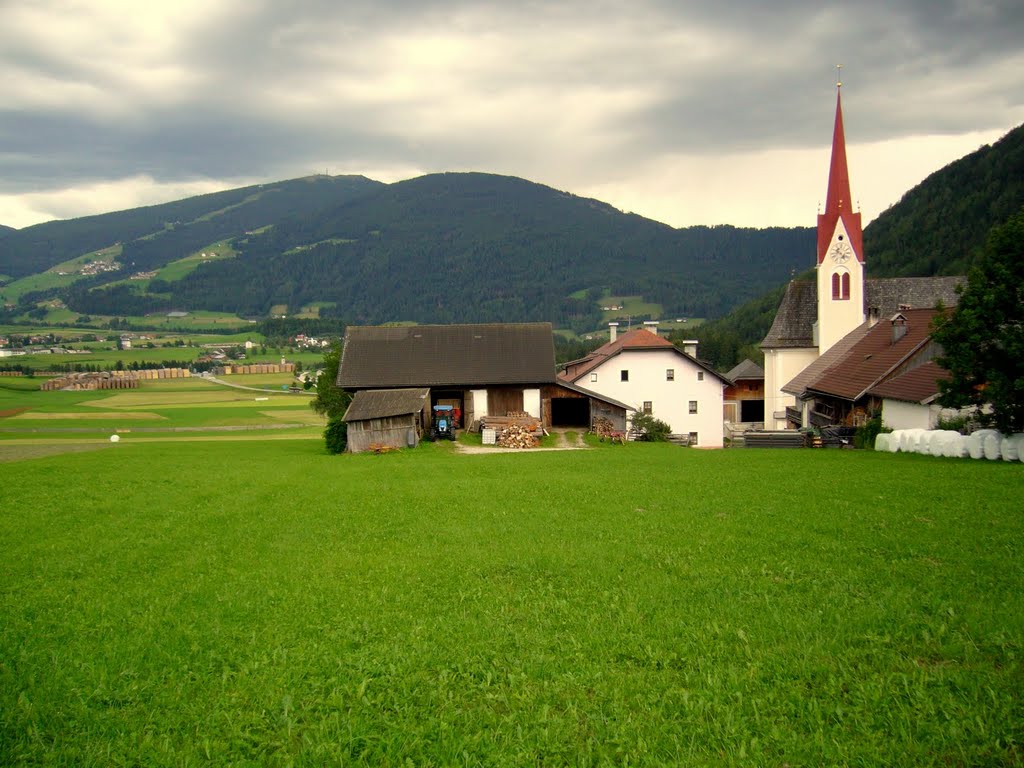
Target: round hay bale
[882,441]
[115,438]
[1011,447]
[992,446]
[924,444]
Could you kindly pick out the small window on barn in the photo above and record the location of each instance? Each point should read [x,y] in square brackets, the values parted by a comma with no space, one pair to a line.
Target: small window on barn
[693,406]
[670,374]
[624,376]
[648,406]
[700,375]
[593,377]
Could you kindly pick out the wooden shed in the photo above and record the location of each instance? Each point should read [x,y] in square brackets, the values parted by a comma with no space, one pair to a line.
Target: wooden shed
[394,418]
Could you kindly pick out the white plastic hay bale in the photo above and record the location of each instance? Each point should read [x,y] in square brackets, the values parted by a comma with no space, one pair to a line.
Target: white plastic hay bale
[913,440]
[924,444]
[882,441]
[1012,445]
[894,440]
[976,443]
[115,438]
[992,446]
[958,447]
[939,440]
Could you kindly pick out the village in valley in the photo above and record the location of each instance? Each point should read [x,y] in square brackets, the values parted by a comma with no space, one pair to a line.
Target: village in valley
[843,350]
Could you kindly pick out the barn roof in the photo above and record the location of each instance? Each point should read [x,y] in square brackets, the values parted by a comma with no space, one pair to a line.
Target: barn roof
[918,385]
[748,370]
[883,296]
[874,357]
[381,403]
[376,357]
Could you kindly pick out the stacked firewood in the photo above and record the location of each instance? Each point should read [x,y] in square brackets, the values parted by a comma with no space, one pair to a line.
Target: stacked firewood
[604,429]
[517,436]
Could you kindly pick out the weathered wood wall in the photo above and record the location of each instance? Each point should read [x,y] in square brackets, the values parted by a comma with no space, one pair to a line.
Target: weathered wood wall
[392,431]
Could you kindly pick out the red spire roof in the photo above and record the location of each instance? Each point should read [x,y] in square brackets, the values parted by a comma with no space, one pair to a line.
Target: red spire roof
[838,204]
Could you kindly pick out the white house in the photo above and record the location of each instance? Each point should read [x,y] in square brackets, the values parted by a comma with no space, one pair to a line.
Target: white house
[650,373]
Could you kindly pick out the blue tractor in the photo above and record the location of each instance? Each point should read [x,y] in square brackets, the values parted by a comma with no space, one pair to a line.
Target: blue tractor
[443,424]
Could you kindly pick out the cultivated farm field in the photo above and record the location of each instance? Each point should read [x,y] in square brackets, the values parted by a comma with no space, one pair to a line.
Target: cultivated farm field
[262,602]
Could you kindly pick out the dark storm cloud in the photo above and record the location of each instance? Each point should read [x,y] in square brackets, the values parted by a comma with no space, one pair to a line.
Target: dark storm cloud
[264,89]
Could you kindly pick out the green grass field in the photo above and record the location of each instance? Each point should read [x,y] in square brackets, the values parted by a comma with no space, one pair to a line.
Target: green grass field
[262,602]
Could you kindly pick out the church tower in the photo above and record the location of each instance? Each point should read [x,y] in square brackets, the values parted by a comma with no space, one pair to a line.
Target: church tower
[840,267]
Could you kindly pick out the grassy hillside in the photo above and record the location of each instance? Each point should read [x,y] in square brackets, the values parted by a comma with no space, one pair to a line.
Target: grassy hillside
[156,235]
[285,606]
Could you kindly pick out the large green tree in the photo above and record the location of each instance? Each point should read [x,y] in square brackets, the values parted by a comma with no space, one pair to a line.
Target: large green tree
[332,401]
[983,338]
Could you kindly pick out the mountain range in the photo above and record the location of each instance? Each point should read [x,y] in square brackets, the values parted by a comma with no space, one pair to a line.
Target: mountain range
[465,247]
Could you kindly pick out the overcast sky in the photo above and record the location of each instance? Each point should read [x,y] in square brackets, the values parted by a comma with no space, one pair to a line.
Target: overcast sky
[685,112]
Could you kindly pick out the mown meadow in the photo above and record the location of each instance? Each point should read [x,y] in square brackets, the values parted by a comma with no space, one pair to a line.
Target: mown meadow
[262,602]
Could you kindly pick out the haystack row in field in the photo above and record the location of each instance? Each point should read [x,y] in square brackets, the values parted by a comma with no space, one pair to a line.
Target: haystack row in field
[984,443]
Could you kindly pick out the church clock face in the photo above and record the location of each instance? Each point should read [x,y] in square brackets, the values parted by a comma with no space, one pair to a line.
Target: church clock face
[841,252]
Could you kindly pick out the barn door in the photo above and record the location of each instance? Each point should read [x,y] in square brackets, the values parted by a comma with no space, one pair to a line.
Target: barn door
[503,400]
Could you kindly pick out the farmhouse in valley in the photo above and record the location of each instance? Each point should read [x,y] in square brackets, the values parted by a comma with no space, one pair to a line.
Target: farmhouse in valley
[654,376]
[481,370]
[816,316]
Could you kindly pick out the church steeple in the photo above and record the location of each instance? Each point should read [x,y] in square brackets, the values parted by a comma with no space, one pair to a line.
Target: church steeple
[840,266]
[838,205]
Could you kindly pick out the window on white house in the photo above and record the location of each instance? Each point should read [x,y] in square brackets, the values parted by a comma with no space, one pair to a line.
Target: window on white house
[700,375]
[693,406]
[593,377]
[624,376]
[670,374]
[693,438]
[648,406]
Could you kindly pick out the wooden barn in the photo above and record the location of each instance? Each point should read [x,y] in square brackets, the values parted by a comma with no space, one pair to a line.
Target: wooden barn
[392,418]
[488,369]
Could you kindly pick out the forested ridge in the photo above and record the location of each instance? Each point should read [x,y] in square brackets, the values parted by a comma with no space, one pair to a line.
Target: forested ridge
[454,247]
[475,247]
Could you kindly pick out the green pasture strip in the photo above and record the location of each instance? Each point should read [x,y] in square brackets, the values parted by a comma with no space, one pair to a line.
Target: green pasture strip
[176,270]
[267,603]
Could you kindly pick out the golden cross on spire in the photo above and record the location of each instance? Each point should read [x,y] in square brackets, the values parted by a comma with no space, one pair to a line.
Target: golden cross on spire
[839,72]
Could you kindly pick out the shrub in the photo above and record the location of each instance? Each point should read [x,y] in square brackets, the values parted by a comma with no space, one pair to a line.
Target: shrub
[336,435]
[649,428]
[865,435]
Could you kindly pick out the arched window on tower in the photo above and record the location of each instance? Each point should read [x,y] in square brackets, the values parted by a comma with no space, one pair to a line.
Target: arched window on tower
[840,286]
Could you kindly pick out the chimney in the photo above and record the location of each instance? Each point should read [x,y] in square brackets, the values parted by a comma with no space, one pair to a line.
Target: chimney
[613,331]
[690,347]
[899,328]
[652,326]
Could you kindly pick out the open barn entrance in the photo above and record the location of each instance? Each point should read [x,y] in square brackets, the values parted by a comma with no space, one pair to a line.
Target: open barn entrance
[570,412]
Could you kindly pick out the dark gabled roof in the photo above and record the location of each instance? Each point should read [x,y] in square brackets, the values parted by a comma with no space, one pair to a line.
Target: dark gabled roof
[833,355]
[381,403]
[874,357]
[918,385]
[638,340]
[883,296]
[379,357]
[748,370]
[594,395]
[794,319]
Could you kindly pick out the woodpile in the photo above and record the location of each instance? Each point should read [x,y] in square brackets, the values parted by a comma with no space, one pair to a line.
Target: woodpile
[605,430]
[517,436]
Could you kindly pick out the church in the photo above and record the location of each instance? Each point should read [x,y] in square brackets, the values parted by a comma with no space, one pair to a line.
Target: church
[815,316]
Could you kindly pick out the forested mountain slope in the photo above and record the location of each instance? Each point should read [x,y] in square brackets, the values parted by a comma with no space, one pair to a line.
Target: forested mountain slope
[158,234]
[462,247]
